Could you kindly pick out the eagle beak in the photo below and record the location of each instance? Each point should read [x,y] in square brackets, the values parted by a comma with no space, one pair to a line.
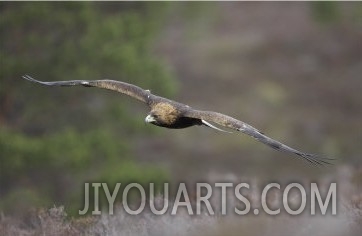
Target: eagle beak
[149,119]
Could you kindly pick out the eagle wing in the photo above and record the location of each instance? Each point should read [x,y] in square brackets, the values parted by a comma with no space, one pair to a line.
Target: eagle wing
[125,88]
[238,125]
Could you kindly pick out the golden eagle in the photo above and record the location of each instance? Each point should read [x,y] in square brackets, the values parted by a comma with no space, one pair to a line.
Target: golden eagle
[174,115]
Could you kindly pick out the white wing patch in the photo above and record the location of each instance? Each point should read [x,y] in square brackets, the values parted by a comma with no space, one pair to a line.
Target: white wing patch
[213,127]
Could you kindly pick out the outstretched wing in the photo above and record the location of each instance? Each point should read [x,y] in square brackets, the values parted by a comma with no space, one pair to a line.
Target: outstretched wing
[125,88]
[238,125]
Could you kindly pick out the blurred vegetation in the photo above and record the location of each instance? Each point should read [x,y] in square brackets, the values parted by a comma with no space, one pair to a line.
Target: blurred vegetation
[292,70]
[54,140]
[325,12]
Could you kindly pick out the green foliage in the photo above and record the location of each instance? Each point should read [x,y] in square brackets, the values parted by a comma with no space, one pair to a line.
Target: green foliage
[57,41]
[325,12]
[54,139]
[48,167]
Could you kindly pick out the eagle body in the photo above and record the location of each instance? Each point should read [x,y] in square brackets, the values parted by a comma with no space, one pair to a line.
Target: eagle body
[170,114]
[174,115]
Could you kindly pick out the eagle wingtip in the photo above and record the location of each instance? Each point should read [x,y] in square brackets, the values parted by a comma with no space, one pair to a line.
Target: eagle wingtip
[25,76]
[28,77]
[318,160]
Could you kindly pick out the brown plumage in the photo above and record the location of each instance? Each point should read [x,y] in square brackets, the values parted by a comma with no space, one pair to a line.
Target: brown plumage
[170,114]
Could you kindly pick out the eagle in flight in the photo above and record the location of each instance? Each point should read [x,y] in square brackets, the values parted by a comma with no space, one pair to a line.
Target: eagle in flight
[174,115]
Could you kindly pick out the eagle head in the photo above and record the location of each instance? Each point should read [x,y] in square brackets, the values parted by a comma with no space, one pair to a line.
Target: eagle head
[163,114]
[159,119]
[151,119]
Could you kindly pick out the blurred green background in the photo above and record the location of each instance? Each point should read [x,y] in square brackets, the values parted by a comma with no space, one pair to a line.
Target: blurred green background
[291,69]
